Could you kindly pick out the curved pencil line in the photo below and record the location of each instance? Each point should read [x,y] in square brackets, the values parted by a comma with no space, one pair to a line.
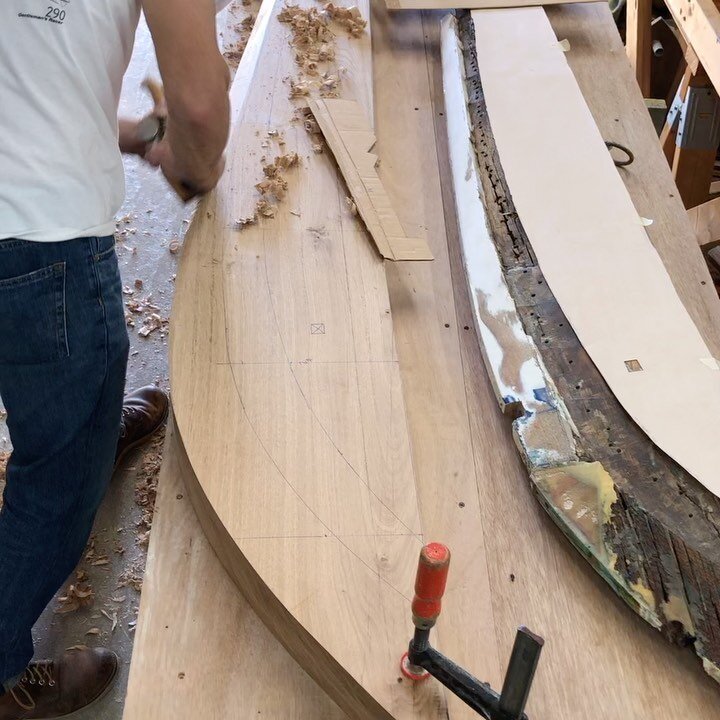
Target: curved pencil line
[269,455]
[362,480]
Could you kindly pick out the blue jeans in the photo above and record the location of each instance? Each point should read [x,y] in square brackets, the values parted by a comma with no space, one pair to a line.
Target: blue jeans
[63,357]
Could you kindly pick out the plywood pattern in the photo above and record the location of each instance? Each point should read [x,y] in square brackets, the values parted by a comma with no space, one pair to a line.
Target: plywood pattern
[583,225]
[350,137]
[289,404]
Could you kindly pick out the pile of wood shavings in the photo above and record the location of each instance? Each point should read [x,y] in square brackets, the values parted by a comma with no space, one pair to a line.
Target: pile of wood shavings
[349,18]
[146,488]
[132,576]
[273,187]
[144,307]
[233,52]
[314,44]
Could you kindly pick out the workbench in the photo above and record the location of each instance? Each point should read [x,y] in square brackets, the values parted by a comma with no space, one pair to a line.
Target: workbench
[200,650]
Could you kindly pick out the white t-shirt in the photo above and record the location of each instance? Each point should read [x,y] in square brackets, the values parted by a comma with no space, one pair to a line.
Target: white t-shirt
[61,68]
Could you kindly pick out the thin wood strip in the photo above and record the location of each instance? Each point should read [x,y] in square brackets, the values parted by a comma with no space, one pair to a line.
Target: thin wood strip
[350,138]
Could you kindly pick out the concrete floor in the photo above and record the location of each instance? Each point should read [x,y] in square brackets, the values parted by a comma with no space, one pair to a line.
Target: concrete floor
[151,219]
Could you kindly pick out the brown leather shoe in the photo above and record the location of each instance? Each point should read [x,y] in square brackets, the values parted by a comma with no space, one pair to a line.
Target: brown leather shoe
[54,689]
[144,412]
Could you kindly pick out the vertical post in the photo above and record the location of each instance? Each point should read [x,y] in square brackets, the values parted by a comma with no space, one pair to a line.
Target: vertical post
[638,41]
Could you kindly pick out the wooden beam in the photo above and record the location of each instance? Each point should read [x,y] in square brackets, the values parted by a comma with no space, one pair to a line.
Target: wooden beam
[289,401]
[705,219]
[699,21]
[638,42]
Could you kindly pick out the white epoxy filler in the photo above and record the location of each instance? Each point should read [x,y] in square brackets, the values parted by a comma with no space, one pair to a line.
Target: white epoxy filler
[596,257]
[492,303]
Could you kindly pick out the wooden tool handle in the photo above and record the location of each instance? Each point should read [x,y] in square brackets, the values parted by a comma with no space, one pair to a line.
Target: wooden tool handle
[430,582]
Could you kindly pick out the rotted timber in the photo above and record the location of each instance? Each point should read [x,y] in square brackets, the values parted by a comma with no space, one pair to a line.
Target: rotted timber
[647,526]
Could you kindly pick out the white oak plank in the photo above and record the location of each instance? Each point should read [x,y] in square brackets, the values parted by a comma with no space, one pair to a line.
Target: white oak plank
[288,403]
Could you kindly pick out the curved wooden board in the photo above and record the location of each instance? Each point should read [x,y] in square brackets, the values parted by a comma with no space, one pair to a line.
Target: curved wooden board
[289,403]
[591,244]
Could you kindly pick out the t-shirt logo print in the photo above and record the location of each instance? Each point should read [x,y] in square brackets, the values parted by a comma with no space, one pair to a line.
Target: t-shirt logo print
[55,12]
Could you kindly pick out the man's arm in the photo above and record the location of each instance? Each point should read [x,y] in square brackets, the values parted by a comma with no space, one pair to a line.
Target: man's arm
[196,80]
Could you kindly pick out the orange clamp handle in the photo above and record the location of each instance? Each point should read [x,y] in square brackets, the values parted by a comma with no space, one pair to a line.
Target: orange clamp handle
[430,582]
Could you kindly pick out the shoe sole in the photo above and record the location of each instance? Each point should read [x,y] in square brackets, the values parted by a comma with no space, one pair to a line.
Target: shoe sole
[141,441]
[101,696]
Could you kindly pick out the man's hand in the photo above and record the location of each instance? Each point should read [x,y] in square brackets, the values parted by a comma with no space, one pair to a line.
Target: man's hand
[196,81]
[161,155]
[131,139]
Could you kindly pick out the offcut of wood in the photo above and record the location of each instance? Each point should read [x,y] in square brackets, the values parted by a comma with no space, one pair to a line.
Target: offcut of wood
[351,139]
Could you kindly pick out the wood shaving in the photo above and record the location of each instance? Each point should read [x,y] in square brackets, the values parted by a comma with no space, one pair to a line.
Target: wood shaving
[299,88]
[350,19]
[146,484]
[151,323]
[266,209]
[112,618]
[240,223]
[78,595]
[273,187]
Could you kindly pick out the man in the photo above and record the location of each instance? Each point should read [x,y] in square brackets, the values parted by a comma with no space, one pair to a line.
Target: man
[63,341]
